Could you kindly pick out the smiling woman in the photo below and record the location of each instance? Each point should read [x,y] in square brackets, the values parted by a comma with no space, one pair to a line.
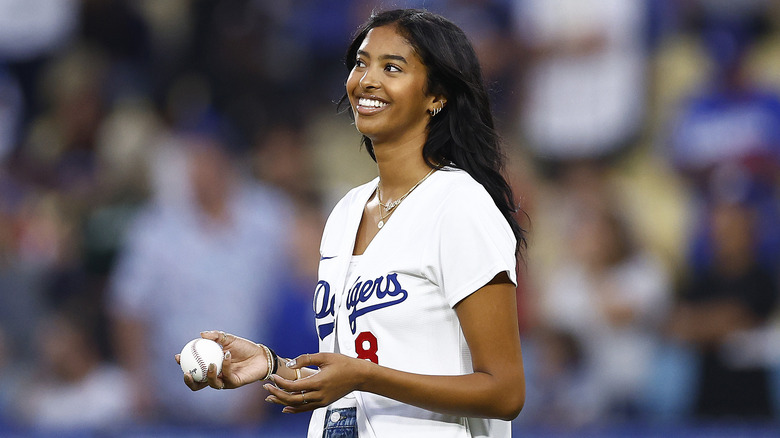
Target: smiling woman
[415,304]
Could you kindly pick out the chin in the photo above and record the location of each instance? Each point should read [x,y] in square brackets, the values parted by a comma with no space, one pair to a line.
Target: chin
[367,129]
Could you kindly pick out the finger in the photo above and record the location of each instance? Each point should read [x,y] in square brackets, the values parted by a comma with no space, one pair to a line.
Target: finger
[192,384]
[212,335]
[275,400]
[213,379]
[227,364]
[178,358]
[292,385]
[306,360]
[284,398]
[218,336]
[299,409]
[227,376]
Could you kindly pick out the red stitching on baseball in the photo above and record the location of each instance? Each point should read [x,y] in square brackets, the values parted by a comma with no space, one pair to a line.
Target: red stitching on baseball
[203,367]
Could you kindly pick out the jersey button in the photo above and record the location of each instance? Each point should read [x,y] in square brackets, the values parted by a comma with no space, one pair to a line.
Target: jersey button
[335,417]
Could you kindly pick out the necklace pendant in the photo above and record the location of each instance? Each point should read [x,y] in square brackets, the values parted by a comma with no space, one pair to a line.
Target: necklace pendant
[380,224]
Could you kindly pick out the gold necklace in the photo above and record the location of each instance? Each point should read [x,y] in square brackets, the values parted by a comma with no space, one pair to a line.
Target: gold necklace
[381,222]
[389,207]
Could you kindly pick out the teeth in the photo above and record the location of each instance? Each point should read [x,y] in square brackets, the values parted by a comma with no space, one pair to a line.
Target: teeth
[371,102]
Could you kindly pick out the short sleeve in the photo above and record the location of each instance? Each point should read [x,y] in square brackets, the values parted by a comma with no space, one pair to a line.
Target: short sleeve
[474,244]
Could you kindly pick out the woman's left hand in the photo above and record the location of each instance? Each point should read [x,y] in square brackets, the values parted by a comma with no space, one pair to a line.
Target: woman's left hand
[338,376]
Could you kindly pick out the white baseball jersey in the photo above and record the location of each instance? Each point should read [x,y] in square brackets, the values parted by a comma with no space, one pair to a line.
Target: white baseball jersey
[443,242]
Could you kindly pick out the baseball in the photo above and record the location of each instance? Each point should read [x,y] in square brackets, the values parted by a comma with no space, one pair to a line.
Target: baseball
[197,355]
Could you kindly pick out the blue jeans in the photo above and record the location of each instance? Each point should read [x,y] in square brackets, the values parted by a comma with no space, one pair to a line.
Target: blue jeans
[341,423]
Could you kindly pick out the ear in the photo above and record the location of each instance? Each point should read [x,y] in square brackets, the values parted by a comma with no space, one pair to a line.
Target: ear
[437,104]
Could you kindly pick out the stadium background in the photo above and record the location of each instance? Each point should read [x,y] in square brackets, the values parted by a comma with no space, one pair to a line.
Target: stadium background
[100,100]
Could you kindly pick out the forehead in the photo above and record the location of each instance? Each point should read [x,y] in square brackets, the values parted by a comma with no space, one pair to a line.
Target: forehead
[385,40]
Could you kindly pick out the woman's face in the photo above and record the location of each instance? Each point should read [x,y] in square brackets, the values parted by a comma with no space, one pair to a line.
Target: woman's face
[386,88]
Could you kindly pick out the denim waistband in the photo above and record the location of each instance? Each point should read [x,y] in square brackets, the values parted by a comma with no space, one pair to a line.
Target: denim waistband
[341,423]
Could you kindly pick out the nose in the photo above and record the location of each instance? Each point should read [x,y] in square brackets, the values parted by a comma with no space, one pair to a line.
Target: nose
[369,81]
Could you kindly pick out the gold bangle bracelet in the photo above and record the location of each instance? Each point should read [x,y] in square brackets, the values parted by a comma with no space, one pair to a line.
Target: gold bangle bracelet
[270,361]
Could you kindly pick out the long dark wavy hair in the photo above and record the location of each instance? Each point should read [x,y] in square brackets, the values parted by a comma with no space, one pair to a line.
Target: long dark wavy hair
[463,134]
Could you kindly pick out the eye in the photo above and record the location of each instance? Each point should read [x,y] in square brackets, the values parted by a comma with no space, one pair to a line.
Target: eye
[359,63]
[392,68]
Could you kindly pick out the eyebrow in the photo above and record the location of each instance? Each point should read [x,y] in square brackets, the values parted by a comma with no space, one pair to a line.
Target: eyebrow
[385,57]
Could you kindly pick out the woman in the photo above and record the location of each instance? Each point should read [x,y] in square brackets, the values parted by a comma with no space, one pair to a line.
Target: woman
[417,271]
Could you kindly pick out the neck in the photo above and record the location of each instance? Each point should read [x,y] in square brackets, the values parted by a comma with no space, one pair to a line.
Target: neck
[400,167]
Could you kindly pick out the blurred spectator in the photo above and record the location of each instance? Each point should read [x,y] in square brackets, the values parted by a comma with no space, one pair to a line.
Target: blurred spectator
[209,252]
[58,148]
[731,126]
[292,330]
[72,387]
[725,311]
[281,157]
[585,80]
[611,296]
[36,239]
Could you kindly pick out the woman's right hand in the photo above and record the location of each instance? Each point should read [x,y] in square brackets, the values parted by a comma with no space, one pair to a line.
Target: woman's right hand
[245,362]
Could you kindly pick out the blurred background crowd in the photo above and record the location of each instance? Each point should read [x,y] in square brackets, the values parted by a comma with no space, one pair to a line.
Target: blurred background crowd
[166,167]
